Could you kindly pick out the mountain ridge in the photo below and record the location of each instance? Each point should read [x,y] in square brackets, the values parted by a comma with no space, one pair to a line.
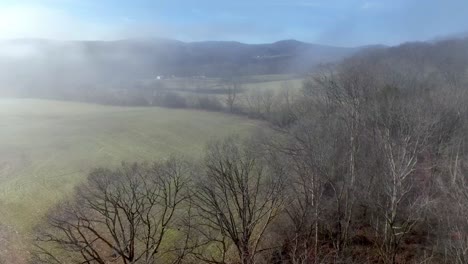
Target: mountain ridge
[123,63]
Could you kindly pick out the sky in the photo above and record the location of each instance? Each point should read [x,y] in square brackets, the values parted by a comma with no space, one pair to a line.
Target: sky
[331,22]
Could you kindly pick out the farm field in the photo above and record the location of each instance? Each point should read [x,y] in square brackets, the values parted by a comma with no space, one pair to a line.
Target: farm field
[47,147]
[275,85]
[248,83]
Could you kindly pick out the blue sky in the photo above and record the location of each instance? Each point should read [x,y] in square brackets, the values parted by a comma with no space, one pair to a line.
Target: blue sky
[335,22]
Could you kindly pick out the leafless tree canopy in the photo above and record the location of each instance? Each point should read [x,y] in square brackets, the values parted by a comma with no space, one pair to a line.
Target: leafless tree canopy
[237,199]
[121,215]
[366,164]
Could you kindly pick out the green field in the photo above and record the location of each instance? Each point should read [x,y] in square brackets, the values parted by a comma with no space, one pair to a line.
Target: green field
[275,85]
[47,147]
[273,82]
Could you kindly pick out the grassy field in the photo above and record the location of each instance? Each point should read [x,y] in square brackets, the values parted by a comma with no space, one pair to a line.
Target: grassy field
[47,147]
[276,85]
[273,82]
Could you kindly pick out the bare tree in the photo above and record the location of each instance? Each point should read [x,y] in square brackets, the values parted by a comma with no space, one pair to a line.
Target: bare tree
[399,206]
[259,102]
[237,200]
[453,208]
[232,88]
[121,215]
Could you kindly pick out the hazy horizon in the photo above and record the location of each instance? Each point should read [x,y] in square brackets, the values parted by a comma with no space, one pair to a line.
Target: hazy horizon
[336,22]
[457,35]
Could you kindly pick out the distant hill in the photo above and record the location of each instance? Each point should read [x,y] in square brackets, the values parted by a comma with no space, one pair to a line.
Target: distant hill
[28,63]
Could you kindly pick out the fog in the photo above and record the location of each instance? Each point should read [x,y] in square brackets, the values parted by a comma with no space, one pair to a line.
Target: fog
[34,67]
[74,69]
[58,48]
[253,132]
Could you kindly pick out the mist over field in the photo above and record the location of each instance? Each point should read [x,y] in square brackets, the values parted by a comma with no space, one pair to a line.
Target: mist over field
[34,67]
[242,132]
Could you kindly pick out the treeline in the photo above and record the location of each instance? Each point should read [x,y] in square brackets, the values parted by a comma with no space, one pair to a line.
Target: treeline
[230,96]
[367,165]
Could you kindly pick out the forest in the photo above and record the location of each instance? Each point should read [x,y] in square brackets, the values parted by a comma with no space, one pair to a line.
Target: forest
[366,163]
